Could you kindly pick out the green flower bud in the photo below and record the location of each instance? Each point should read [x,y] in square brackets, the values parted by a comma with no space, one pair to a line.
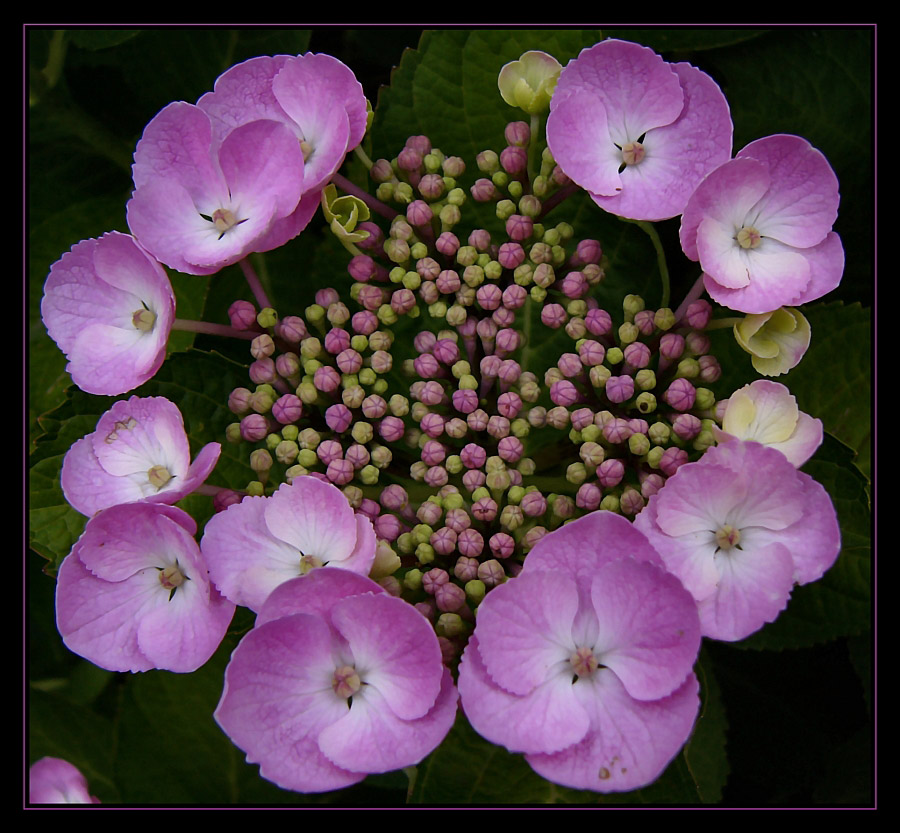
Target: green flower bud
[664,319]
[267,318]
[614,355]
[610,503]
[632,305]
[413,579]
[403,193]
[456,197]
[576,473]
[435,310]
[418,250]
[233,433]
[307,458]
[315,314]
[646,402]
[578,308]
[488,161]
[638,444]
[575,436]
[515,495]
[529,82]
[523,274]
[385,191]
[294,471]
[515,189]
[368,475]
[309,438]
[659,433]
[493,270]
[654,455]
[362,432]
[500,180]
[367,376]
[286,452]
[551,237]
[386,315]
[255,488]
[453,464]
[645,379]
[704,440]
[307,393]
[475,590]
[628,333]
[704,399]
[519,428]
[290,432]
[405,543]
[449,625]
[425,553]
[538,294]
[526,466]
[272,441]
[422,533]
[591,433]
[599,374]
[687,369]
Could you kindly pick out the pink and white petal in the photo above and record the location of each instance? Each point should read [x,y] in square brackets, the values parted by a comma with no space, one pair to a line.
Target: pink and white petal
[630,742]
[727,194]
[371,738]
[74,297]
[87,487]
[55,781]
[185,632]
[721,256]
[586,544]
[361,559]
[814,541]
[801,205]
[176,146]
[678,155]
[127,538]
[754,587]
[395,651]
[136,434]
[578,137]
[121,262]
[826,268]
[107,360]
[287,228]
[314,518]
[315,593]
[648,629]
[246,562]
[699,497]
[263,157]
[771,500]
[200,469]
[525,629]
[778,276]
[636,86]
[547,720]
[278,698]
[243,94]
[327,79]
[807,437]
[98,619]
[689,556]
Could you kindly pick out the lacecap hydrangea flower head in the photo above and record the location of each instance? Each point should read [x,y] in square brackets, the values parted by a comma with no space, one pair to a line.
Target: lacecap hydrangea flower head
[637,133]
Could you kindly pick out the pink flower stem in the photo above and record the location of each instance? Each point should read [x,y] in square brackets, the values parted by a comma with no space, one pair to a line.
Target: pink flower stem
[209,328]
[695,292]
[256,286]
[554,200]
[376,205]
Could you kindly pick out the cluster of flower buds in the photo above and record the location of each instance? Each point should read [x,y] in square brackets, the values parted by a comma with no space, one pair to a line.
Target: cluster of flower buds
[498,455]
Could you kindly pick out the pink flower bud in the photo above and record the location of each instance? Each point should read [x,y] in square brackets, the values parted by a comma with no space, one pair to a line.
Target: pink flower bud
[225,498]
[514,160]
[588,496]
[465,401]
[443,541]
[672,459]
[254,428]
[287,409]
[484,509]
[409,159]
[436,476]
[671,346]
[370,297]
[686,426]
[433,579]
[510,449]
[598,322]
[581,418]
[553,316]
[502,545]
[419,213]
[637,354]
[336,340]
[361,268]
[619,388]
[574,285]
[391,429]
[450,597]
[491,572]
[470,543]
[262,371]
[517,133]
[519,227]
[242,315]
[698,314]
[533,504]
[433,425]
[483,190]
[431,186]
[376,236]
[680,395]
[645,321]
[427,366]
[374,407]
[447,244]
[510,255]
[239,401]
[610,473]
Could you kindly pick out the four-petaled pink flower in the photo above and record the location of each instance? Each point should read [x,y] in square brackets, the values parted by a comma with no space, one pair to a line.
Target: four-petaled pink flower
[138,452]
[740,528]
[583,662]
[55,781]
[109,306]
[760,225]
[203,202]
[336,680]
[261,542]
[637,133]
[134,592]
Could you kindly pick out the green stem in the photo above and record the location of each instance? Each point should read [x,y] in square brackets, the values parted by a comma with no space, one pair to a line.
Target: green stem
[535,128]
[723,323]
[363,157]
[650,231]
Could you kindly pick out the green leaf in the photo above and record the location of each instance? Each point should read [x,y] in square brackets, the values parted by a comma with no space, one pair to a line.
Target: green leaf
[683,40]
[839,604]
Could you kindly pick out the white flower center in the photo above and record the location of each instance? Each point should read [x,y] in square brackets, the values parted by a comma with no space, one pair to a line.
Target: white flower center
[727,537]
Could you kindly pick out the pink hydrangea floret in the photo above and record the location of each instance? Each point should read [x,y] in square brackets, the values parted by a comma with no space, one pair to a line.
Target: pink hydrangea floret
[261,542]
[138,452]
[760,226]
[637,133]
[337,680]
[109,306]
[134,592]
[200,202]
[583,662]
[55,781]
[740,527]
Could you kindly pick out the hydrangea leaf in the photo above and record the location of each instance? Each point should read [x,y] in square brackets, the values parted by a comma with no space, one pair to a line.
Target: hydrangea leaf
[839,604]
[681,40]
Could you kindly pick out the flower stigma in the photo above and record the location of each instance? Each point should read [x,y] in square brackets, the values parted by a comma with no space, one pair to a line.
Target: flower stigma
[749,238]
[158,476]
[584,662]
[727,537]
[345,681]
